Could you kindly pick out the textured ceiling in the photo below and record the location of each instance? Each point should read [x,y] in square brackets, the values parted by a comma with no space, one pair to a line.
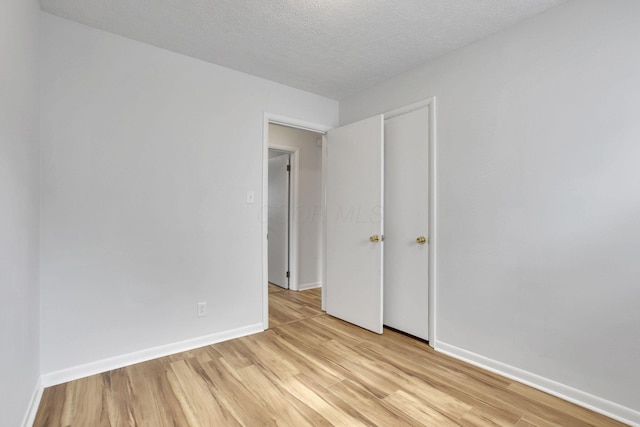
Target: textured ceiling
[330,47]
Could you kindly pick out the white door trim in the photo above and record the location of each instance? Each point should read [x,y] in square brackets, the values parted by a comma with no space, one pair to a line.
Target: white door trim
[293,262]
[323,233]
[431,104]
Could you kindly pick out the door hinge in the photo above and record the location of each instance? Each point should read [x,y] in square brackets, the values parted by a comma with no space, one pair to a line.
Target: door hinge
[288,168]
[287,274]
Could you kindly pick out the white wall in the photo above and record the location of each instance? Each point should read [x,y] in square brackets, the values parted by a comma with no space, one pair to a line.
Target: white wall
[539,196]
[309,198]
[19,200]
[147,158]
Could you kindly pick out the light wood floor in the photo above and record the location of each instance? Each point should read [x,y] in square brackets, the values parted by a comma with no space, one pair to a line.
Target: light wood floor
[309,369]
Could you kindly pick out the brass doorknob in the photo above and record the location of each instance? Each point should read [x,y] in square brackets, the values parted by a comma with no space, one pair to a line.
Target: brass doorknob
[421,240]
[374,238]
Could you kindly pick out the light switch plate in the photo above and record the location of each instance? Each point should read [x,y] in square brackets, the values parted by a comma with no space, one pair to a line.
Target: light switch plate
[251,197]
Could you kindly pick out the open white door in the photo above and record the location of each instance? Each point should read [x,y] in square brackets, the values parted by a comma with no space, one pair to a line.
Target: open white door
[354,221]
[278,231]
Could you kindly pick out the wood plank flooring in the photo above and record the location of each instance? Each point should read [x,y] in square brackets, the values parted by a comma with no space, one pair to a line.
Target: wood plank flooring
[309,369]
[286,306]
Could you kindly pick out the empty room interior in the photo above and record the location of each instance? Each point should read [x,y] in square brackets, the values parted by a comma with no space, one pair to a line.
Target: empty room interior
[451,237]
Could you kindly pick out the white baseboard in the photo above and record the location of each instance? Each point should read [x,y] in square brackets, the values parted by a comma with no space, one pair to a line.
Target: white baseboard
[30,415]
[579,397]
[312,285]
[99,366]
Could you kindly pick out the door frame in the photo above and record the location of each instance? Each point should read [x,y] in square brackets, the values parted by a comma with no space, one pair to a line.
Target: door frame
[433,199]
[321,130]
[429,103]
[292,244]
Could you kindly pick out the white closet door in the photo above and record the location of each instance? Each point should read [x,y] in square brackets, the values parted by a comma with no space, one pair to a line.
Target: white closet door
[353,221]
[406,264]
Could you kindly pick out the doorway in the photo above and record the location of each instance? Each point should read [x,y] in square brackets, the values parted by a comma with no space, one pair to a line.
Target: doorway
[279,222]
[293,208]
[407,248]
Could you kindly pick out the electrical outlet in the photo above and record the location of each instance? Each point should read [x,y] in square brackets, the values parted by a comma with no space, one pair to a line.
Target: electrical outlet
[202,309]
